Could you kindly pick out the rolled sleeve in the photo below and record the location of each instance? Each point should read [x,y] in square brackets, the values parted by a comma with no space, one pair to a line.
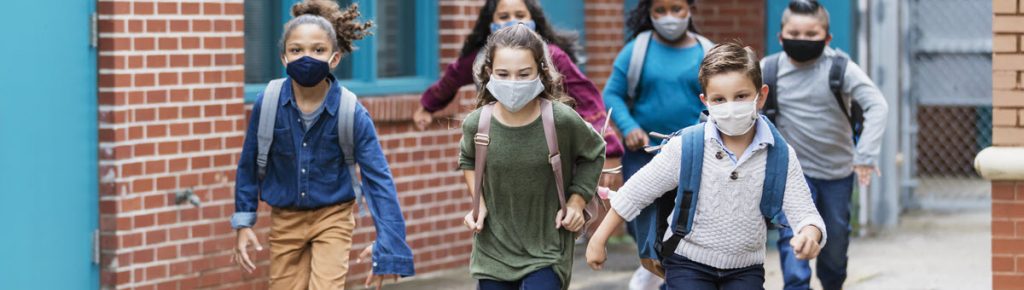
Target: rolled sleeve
[241,220]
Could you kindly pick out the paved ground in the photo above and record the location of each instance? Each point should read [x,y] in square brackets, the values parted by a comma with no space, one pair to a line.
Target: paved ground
[936,249]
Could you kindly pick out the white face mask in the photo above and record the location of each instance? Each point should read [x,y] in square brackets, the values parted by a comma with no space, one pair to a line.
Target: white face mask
[514,95]
[734,118]
[670,27]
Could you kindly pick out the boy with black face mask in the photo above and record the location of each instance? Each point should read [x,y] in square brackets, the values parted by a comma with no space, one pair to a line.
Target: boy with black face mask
[819,126]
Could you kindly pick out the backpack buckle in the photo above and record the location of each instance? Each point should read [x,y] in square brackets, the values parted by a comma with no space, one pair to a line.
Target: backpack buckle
[482,139]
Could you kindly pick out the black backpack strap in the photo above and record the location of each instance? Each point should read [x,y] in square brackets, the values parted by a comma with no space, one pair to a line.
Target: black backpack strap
[771,77]
[835,83]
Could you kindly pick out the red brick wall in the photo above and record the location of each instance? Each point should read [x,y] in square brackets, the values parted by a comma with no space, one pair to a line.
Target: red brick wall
[732,20]
[172,116]
[1008,131]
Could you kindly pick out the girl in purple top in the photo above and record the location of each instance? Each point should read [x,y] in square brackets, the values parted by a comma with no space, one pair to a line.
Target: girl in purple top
[494,15]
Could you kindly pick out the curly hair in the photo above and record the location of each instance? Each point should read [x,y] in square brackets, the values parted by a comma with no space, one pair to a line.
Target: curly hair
[639,19]
[342,27]
[520,37]
[482,30]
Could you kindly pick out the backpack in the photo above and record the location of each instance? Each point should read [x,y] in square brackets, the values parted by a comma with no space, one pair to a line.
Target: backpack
[682,206]
[639,55]
[346,140]
[482,140]
[854,115]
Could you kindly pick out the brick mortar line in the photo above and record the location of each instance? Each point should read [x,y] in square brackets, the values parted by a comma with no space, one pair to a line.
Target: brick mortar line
[178,34]
[200,17]
[125,52]
[135,71]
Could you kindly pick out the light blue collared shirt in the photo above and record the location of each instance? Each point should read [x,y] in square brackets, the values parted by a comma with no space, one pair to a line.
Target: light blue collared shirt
[762,138]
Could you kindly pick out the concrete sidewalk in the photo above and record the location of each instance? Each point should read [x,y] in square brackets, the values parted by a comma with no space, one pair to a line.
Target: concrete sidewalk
[929,250]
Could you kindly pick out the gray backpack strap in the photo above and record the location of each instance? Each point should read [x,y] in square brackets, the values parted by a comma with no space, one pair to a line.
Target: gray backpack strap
[704,42]
[268,116]
[636,63]
[346,140]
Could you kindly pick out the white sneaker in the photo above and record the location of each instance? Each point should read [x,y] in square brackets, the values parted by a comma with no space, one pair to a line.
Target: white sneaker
[644,280]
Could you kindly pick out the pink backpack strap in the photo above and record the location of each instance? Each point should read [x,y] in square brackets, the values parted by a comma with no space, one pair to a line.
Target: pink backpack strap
[554,157]
[481,140]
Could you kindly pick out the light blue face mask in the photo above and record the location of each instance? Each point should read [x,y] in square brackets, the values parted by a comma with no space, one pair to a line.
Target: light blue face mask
[498,26]
[514,95]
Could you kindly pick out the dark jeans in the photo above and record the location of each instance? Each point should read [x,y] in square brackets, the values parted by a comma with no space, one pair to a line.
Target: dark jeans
[832,198]
[632,161]
[543,279]
[682,273]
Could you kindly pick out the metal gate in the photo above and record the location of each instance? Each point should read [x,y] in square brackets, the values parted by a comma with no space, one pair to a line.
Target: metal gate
[946,116]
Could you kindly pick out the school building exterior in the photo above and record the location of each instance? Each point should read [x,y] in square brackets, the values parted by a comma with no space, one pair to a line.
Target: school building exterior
[170,85]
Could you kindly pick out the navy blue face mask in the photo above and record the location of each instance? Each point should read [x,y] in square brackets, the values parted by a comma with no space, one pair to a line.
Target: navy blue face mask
[308,71]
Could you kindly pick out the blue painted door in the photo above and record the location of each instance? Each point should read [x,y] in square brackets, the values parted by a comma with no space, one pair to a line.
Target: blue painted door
[567,15]
[843,24]
[48,147]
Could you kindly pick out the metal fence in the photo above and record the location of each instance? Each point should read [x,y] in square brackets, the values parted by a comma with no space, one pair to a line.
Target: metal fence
[949,106]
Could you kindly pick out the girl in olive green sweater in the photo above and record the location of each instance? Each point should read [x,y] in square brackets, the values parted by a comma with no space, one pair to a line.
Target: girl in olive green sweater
[523,237]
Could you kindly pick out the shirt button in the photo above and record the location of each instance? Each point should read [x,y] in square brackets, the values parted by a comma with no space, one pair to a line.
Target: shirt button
[734,176]
[375,264]
[303,144]
[303,171]
[718,155]
[303,194]
[298,120]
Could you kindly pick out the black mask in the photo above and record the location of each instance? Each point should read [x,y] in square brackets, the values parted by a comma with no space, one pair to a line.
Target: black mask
[803,50]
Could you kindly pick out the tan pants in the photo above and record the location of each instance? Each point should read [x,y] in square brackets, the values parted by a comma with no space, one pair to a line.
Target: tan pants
[309,249]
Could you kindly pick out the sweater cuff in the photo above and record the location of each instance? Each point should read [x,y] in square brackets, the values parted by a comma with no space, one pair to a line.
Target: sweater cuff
[864,160]
[626,208]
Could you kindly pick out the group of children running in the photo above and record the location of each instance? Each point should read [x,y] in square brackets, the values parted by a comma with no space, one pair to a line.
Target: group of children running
[782,141]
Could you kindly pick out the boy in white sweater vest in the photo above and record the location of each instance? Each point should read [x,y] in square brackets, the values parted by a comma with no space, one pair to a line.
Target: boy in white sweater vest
[724,244]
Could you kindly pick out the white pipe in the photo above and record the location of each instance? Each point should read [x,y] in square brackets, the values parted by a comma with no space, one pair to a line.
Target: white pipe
[1000,163]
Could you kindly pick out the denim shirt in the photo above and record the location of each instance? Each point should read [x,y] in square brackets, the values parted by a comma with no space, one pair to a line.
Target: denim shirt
[305,171]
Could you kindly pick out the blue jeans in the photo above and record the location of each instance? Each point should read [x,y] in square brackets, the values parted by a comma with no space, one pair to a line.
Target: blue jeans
[832,198]
[682,273]
[632,161]
[543,279]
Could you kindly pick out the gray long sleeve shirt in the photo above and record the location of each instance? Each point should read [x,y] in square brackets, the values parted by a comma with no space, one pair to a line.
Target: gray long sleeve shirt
[813,124]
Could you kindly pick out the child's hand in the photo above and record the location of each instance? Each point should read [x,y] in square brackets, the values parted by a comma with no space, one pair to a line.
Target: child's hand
[805,245]
[421,118]
[373,279]
[637,139]
[571,219]
[596,253]
[245,236]
[471,221]
[864,173]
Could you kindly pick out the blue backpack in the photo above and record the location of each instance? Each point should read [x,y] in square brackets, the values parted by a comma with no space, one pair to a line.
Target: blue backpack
[654,220]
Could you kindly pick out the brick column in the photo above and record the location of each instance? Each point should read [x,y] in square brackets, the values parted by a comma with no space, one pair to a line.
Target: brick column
[1008,131]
